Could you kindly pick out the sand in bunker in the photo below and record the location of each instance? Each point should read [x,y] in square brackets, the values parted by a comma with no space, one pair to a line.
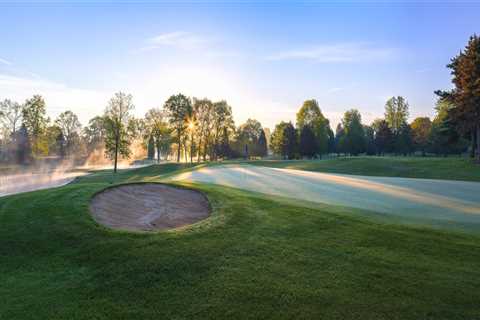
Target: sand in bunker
[148,207]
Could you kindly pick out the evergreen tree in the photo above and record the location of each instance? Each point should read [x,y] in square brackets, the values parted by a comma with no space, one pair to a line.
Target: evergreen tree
[262,145]
[369,140]
[465,97]
[339,134]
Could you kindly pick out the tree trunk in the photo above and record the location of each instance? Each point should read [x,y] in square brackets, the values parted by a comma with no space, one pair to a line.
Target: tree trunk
[478,142]
[191,147]
[179,146]
[473,142]
[199,148]
[158,154]
[117,139]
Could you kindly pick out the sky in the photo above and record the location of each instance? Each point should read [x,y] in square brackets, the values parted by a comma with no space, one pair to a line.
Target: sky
[265,58]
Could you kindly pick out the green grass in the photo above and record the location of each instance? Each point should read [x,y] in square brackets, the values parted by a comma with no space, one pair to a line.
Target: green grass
[409,167]
[255,257]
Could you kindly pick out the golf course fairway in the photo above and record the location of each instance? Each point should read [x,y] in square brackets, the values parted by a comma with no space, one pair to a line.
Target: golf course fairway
[438,201]
[255,256]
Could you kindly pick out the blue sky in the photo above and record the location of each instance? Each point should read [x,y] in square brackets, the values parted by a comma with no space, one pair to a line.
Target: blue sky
[263,58]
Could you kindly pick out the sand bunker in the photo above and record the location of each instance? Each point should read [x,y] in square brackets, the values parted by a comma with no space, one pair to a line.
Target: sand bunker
[148,207]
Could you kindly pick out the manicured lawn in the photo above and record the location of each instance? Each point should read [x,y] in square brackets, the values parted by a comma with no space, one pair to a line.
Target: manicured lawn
[451,168]
[256,257]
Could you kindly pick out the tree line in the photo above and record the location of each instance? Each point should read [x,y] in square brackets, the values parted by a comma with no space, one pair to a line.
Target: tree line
[188,129]
[312,136]
[191,129]
[454,129]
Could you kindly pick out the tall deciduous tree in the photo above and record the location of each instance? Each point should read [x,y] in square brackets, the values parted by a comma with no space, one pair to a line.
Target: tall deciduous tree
[118,134]
[354,138]
[68,122]
[311,115]
[10,116]
[203,117]
[179,110]
[421,128]
[35,120]
[157,129]
[94,134]
[307,146]
[222,123]
[247,137]
[396,113]
[284,140]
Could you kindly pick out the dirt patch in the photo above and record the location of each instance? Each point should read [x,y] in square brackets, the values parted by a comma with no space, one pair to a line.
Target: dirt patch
[148,207]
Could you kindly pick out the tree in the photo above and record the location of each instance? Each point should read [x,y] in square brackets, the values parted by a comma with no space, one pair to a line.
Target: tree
[157,129]
[284,140]
[383,136]
[421,128]
[94,134]
[307,146]
[370,148]
[10,116]
[118,127]
[403,140]
[222,123]
[396,113]
[262,144]
[310,115]
[444,138]
[23,151]
[56,141]
[225,150]
[36,121]
[70,126]
[151,148]
[354,138]
[203,118]
[247,138]
[465,97]
[179,110]
[339,139]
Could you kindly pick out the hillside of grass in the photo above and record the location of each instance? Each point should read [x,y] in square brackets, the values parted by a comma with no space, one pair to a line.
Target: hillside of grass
[450,168]
[255,257]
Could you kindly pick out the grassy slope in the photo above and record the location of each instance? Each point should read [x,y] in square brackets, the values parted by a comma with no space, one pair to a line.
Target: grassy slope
[416,167]
[256,257]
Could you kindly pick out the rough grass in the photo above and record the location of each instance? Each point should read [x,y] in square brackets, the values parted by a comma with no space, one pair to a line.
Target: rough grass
[255,257]
[451,168]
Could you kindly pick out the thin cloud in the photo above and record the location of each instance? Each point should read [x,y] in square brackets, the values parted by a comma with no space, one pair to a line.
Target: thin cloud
[341,53]
[5,62]
[178,39]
